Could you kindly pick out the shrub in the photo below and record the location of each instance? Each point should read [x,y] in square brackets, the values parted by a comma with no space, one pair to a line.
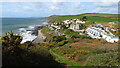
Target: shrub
[81,57]
[105,59]
[59,38]
[104,49]
[71,40]
[11,39]
[27,44]
[80,52]
[62,43]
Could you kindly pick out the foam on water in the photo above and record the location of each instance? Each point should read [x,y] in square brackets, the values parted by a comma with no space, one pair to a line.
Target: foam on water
[27,34]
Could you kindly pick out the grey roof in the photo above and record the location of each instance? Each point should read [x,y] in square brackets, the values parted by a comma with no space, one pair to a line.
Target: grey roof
[99,25]
[97,30]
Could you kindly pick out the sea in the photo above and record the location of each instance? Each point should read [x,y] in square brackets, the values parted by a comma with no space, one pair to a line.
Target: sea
[23,26]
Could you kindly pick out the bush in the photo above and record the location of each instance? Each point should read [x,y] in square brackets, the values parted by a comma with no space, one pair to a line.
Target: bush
[62,43]
[71,40]
[81,57]
[20,56]
[27,44]
[105,59]
[104,49]
[11,39]
[59,38]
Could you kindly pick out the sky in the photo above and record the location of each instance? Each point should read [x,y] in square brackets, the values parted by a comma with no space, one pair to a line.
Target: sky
[45,9]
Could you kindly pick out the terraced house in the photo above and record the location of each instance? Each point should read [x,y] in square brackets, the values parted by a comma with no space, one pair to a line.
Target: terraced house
[98,33]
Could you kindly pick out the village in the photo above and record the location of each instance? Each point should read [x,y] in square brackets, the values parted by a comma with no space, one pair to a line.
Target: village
[95,31]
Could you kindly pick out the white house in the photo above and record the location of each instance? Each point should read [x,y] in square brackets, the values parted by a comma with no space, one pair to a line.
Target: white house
[79,21]
[97,33]
[67,21]
[112,39]
[57,27]
[74,24]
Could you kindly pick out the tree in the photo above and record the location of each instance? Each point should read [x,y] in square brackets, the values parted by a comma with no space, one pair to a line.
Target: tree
[84,18]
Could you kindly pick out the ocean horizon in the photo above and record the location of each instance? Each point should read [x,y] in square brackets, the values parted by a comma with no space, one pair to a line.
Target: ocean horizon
[14,24]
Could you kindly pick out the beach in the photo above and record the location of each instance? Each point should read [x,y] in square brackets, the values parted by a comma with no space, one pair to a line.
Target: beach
[40,37]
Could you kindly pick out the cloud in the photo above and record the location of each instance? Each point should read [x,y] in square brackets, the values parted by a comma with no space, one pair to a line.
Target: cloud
[105,10]
[106,4]
[55,1]
[34,9]
[53,7]
[106,7]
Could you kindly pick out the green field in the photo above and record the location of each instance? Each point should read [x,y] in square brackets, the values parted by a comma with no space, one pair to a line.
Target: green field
[101,19]
[90,18]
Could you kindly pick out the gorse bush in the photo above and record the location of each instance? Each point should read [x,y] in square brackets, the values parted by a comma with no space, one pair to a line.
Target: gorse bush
[11,39]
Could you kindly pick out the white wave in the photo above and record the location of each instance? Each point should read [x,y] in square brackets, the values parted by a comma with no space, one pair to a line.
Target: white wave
[22,30]
[31,27]
[45,23]
[27,36]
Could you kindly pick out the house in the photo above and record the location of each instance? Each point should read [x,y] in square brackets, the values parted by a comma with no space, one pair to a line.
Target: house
[54,26]
[99,26]
[97,33]
[110,38]
[110,24]
[74,24]
[67,21]
[79,21]
[113,29]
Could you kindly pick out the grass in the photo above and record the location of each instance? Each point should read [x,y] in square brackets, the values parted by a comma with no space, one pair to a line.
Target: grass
[103,52]
[105,59]
[90,18]
[101,19]
[65,17]
[61,59]
[48,33]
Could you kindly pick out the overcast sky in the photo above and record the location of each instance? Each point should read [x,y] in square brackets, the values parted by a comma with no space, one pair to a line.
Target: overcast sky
[44,9]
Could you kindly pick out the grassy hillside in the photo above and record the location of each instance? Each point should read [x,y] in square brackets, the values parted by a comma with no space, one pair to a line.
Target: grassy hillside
[102,18]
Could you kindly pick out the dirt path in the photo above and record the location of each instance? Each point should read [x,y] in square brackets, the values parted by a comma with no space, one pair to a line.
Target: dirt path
[55,54]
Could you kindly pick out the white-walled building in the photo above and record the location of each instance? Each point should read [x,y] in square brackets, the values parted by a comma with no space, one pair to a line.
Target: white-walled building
[79,21]
[97,33]
[74,24]
[67,21]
